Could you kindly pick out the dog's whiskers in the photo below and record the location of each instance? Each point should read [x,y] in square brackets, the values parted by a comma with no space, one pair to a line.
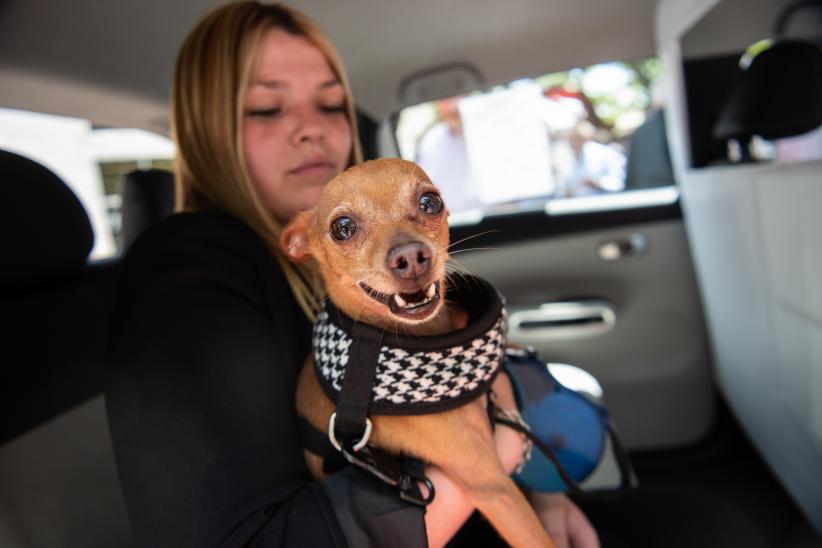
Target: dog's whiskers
[473,236]
[474,249]
[457,273]
[454,265]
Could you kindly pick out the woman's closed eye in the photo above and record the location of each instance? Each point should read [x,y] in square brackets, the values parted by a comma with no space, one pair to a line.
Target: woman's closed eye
[334,108]
[264,112]
[273,112]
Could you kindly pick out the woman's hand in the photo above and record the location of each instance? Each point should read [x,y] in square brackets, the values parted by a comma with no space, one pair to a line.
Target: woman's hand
[510,443]
[564,521]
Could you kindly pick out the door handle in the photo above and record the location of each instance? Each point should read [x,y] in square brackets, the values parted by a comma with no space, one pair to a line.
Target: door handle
[620,248]
[563,319]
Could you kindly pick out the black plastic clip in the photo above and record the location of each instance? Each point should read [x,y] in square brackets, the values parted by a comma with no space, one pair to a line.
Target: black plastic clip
[398,472]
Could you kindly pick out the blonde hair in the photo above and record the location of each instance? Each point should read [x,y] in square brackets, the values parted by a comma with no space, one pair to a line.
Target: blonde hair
[214,67]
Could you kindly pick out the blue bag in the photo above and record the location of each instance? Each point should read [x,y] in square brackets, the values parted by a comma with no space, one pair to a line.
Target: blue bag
[572,434]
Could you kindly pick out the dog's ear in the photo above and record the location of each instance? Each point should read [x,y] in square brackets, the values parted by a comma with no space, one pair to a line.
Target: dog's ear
[294,239]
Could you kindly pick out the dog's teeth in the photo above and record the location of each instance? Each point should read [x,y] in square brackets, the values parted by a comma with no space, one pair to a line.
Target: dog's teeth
[432,290]
[400,301]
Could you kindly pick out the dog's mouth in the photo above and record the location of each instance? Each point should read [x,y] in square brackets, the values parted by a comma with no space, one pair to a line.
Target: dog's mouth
[413,306]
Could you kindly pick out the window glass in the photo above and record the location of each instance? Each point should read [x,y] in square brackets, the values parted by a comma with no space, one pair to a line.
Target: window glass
[573,135]
[90,160]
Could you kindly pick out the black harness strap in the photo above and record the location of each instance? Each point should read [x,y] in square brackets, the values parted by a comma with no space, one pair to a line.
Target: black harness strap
[318,443]
[412,375]
[355,393]
[315,440]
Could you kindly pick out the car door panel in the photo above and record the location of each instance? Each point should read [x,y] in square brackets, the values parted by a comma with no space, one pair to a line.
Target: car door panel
[635,323]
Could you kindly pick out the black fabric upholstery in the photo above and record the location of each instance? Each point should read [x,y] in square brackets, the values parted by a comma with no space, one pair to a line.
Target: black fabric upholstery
[46,232]
[55,308]
[367,130]
[148,197]
[779,95]
[54,349]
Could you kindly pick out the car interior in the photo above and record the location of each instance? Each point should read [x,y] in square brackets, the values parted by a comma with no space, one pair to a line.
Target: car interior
[688,288]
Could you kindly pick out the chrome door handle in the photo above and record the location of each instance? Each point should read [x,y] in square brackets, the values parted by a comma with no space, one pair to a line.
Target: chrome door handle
[623,247]
[563,319]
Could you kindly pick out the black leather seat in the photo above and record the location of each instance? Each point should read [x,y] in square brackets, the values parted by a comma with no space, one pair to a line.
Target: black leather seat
[58,482]
[777,94]
[148,197]
[56,307]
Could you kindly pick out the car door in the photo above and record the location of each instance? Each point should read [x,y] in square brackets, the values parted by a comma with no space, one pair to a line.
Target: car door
[600,279]
[612,292]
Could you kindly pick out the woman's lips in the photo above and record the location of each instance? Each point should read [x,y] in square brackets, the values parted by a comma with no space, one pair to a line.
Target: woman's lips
[318,167]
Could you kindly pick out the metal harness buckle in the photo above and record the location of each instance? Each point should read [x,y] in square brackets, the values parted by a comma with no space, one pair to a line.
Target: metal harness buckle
[394,471]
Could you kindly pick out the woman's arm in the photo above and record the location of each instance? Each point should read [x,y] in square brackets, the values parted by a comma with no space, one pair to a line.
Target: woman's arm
[562,519]
[450,508]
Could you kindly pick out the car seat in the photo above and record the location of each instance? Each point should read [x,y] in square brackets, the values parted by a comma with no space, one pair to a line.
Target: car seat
[58,482]
[148,197]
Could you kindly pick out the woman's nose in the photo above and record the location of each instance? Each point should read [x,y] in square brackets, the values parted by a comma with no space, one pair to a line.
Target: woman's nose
[309,125]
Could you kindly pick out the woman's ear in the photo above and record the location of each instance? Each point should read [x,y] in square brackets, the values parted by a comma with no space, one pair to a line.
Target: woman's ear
[294,239]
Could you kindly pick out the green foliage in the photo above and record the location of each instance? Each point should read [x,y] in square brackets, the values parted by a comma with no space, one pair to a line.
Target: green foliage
[609,107]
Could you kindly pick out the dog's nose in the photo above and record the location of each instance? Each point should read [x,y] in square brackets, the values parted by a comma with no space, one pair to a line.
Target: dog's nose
[409,261]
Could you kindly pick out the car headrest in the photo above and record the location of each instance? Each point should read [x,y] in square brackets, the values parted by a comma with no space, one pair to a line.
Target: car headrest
[148,197]
[46,232]
[778,95]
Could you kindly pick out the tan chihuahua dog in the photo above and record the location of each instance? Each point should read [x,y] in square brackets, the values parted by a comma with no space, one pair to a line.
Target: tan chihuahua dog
[380,236]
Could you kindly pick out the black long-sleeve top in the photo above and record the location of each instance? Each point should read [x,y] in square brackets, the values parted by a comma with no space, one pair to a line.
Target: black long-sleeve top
[208,342]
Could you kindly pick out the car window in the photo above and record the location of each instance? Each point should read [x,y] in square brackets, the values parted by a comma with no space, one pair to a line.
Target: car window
[585,135]
[90,160]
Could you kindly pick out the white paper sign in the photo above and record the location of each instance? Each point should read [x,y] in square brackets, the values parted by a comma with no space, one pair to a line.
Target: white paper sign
[508,144]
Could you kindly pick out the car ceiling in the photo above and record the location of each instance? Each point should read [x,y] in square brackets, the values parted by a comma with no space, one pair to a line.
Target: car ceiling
[111,61]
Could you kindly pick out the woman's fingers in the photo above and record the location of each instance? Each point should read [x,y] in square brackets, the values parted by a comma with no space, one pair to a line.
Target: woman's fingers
[580,531]
[504,392]
[564,521]
[552,516]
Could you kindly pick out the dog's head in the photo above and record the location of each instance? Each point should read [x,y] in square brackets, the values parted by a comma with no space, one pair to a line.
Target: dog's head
[380,237]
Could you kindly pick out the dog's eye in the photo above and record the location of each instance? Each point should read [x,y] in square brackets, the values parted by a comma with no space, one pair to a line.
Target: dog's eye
[343,228]
[431,203]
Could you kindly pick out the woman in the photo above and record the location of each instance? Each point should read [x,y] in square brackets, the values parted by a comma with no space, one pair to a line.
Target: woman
[213,323]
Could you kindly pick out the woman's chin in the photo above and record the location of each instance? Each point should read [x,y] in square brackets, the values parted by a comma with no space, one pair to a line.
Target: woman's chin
[302,192]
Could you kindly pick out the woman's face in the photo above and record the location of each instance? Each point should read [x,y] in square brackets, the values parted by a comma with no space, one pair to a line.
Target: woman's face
[295,130]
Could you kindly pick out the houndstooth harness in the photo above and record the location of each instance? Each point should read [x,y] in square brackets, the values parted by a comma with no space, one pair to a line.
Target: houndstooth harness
[366,370]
